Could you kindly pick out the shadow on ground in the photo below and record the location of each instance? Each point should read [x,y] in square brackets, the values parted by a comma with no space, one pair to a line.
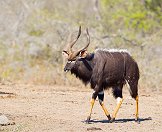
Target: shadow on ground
[118,120]
[5,93]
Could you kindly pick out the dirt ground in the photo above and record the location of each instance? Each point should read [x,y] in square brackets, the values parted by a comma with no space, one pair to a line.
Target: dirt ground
[61,108]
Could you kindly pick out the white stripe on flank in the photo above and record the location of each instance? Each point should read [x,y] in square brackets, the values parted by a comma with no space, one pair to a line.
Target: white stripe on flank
[128,86]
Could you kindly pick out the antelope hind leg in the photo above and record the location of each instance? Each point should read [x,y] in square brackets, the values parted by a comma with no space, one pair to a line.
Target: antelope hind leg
[119,102]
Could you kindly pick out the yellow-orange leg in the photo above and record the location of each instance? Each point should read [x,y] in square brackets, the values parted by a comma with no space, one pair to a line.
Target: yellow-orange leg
[105,111]
[101,101]
[136,114]
[119,102]
[92,104]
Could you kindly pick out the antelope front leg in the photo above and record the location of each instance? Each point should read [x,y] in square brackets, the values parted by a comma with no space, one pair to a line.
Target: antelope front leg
[94,96]
[101,101]
[92,104]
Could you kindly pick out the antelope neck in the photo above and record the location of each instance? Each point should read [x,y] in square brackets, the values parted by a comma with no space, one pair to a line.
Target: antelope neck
[87,61]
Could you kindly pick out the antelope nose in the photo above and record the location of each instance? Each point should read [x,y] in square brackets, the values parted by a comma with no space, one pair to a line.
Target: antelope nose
[65,69]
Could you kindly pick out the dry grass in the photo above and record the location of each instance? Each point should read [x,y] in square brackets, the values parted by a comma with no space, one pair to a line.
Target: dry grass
[30,48]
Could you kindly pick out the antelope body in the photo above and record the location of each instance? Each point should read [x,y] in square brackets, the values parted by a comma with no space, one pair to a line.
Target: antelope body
[104,69]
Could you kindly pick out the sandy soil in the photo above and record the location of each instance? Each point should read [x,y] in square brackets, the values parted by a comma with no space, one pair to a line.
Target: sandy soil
[60,108]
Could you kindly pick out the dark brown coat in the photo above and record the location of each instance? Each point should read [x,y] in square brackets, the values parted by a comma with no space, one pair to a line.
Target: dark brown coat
[107,68]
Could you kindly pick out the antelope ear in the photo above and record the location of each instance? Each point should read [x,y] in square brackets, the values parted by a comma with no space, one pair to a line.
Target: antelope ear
[83,54]
[65,53]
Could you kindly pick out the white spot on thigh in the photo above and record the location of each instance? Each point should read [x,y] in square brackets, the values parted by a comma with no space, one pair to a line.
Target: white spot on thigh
[118,100]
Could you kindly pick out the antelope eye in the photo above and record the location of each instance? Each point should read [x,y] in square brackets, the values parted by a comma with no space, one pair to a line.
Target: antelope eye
[70,61]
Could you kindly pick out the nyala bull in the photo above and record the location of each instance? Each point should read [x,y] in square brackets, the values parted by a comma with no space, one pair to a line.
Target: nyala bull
[104,69]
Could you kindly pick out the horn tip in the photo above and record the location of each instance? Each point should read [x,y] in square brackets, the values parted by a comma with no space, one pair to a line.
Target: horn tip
[80,28]
[87,31]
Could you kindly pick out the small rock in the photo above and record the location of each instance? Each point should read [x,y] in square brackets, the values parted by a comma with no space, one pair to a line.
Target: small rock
[93,129]
[3,120]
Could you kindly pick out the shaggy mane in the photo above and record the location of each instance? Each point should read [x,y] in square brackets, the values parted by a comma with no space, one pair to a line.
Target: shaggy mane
[113,50]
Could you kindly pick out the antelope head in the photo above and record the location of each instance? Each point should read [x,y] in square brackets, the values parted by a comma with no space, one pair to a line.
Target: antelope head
[72,56]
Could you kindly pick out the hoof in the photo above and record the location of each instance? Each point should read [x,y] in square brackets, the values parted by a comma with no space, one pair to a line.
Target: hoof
[137,120]
[112,120]
[109,117]
[88,119]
